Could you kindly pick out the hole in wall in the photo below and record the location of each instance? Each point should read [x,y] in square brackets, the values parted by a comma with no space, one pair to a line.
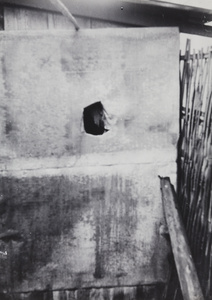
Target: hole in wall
[95,119]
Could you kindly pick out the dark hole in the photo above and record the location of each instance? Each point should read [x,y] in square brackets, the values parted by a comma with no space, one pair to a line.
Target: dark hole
[94,119]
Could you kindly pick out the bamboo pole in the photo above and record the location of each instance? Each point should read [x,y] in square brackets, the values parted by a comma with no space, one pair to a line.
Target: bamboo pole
[65,11]
[186,270]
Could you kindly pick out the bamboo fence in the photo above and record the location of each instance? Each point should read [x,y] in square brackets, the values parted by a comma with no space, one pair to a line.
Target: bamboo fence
[195,159]
[195,166]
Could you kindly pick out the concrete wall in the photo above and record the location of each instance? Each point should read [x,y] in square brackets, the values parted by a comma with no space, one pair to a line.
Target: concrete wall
[85,210]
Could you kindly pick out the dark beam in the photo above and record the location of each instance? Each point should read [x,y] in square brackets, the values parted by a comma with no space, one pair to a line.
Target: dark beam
[166,4]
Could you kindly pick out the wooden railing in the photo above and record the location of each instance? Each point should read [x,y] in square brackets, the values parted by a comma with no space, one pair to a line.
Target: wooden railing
[187,275]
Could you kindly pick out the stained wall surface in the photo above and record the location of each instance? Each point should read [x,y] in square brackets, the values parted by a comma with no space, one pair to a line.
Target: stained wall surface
[79,210]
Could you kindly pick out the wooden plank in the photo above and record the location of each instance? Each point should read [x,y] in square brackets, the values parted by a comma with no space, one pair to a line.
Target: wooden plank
[25,19]
[10,18]
[187,274]
[104,24]
[58,21]
[32,20]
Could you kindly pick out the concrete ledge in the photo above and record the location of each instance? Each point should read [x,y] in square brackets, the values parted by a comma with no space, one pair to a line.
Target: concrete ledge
[98,159]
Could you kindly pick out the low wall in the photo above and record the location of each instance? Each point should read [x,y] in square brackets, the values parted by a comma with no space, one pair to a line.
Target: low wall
[77,210]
